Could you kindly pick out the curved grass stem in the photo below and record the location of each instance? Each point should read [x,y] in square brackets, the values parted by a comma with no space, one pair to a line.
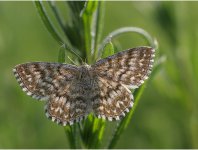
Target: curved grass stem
[123,30]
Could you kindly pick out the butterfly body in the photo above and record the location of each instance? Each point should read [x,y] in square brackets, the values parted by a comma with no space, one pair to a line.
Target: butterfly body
[86,77]
[72,92]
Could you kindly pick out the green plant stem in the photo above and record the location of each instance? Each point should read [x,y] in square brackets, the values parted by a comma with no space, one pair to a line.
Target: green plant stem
[70,132]
[47,22]
[87,15]
[99,16]
[120,31]
[61,54]
[108,50]
[99,127]
[57,15]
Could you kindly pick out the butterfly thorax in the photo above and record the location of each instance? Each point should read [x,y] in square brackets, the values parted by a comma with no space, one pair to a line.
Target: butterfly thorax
[86,77]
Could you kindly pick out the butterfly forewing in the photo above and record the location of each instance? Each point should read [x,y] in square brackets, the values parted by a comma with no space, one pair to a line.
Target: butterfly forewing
[130,67]
[41,80]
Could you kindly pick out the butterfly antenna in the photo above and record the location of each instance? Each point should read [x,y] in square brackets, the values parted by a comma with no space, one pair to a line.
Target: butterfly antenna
[85,61]
[72,61]
[73,51]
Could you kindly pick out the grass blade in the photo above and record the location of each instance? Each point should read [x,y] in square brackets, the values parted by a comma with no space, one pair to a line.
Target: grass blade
[61,54]
[57,14]
[123,30]
[108,50]
[98,23]
[47,22]
[87,16]
[70,133]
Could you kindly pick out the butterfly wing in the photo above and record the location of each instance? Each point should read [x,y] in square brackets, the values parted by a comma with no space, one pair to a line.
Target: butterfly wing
[130,67]
[112,100]
[55,83]
[67,109]
[116,74]
[41,80]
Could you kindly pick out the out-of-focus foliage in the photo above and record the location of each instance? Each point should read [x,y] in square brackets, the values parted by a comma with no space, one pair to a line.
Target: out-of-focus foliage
[167,114]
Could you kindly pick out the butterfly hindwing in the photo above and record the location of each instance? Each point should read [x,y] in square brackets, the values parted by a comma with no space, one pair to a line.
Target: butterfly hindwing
[66,110]
[112,100]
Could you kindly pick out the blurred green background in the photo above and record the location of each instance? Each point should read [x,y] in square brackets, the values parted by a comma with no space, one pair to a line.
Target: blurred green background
[167,115]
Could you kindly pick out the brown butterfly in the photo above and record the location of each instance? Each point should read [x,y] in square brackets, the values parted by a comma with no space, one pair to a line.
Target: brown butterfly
[72,92]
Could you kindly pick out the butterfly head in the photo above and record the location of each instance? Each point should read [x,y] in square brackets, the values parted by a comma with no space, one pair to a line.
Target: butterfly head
[84,69]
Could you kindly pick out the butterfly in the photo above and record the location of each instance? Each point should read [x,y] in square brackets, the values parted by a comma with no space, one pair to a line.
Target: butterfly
[73,92]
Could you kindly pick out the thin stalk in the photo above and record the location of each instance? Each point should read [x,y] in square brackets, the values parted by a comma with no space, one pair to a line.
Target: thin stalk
[88,39]
[99,128]
[70,132]
[57,15]
[120,31]
[61,54]
[99,16]
[47,22]
[87,22]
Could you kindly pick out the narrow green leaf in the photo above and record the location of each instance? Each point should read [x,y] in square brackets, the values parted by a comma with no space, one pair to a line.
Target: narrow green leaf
[57,15]
[98,23]
[87,16]
[89,7]
[98,130]
[92,132]
[108,50]
[70,132]
[61,54]
[87,132]
[47,22]
[95,132]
